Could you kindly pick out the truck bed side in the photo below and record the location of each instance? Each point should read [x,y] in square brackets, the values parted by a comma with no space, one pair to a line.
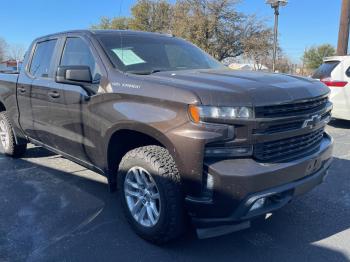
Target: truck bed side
[8,98]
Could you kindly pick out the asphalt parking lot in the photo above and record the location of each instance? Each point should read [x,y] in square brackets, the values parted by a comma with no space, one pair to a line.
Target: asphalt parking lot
[54,210]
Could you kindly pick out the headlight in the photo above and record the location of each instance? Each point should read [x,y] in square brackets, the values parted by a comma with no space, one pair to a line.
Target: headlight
[208,113]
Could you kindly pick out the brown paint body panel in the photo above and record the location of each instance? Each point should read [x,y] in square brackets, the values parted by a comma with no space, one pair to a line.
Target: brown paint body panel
[81,126]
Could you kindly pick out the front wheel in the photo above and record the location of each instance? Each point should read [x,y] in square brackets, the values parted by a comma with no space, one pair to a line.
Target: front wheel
[7,138]
[150,193]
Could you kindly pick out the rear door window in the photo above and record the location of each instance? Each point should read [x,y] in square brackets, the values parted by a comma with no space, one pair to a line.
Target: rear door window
[325,70]
[42,59]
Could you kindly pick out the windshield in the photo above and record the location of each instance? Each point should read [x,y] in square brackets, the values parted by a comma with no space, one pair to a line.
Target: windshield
[150,54]
[325,70]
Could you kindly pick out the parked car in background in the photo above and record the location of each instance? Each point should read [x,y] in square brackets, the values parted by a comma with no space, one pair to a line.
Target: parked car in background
[10,66]
[335,73]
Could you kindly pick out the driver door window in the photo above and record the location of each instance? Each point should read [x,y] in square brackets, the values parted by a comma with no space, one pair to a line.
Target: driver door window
[77,53]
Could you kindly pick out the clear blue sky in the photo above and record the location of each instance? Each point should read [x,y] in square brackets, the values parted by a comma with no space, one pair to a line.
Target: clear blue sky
[303,23]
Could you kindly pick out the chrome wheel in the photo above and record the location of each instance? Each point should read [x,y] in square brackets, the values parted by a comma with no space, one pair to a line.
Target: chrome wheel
[4,134]
[142,196]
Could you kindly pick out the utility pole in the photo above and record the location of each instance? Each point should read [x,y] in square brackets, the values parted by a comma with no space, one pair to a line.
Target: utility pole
[343,37]
[275,33]
[275,4]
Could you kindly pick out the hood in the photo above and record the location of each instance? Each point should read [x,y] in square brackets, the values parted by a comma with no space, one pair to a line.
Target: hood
[227,87]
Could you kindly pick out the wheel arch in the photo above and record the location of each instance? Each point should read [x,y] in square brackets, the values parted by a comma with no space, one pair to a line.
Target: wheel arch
[2,106]
[124,139]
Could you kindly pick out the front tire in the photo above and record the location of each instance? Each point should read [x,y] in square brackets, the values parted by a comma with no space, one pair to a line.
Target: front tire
[150,193]
[7,138]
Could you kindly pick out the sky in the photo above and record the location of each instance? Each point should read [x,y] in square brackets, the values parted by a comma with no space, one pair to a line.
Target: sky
[302,23]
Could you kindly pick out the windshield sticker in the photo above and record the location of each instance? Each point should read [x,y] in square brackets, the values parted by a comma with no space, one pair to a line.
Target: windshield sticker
[128,57]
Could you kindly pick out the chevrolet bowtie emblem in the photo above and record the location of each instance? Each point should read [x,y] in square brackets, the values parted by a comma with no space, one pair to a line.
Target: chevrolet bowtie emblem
[312,122]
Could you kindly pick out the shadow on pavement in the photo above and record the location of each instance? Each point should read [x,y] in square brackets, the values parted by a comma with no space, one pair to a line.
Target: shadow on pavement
[338,123]
[51,215]
[37,151]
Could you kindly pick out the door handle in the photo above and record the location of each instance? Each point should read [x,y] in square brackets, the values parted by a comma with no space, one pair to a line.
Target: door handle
[54,94]
[21,89]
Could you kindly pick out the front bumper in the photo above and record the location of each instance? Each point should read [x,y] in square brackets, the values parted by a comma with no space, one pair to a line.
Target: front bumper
[239,183]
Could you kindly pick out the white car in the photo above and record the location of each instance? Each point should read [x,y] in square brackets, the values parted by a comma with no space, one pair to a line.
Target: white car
[335,73]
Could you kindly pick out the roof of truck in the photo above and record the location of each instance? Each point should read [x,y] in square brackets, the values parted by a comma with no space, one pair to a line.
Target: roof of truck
[108,31]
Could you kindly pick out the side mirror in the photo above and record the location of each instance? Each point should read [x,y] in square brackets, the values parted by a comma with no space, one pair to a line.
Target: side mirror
[73,75]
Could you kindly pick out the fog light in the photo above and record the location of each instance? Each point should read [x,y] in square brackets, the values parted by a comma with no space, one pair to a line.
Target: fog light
[208,185]
[210,182]
[258,204]
[229,151]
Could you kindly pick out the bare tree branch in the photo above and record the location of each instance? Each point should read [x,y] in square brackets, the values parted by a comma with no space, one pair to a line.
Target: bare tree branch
[3,49]
[16,52]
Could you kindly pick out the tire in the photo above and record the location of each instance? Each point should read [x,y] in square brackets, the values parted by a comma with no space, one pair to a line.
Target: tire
[156,162]
[7,138]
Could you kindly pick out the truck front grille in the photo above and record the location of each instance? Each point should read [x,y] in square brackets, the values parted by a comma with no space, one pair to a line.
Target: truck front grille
[291,109]
[286,126]
[288,148]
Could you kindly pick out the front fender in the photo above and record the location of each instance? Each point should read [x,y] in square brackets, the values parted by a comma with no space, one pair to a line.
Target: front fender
[141,128]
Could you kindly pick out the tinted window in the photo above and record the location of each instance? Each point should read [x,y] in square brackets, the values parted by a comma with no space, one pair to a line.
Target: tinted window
[43,55]
[325,70]
[182,58]
[347,72]
[142,54]
[76,52]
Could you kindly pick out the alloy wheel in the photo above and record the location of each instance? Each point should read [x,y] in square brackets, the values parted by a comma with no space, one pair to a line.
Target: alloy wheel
[142,196]
[4,135]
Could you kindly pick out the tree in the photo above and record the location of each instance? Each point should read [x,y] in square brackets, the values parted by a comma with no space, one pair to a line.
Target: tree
[283,62]
[151,16]
[313,57]
[257,42]
[121,23]
[16,52]
[147,15]
[105,23]
[214,25]
[3,49]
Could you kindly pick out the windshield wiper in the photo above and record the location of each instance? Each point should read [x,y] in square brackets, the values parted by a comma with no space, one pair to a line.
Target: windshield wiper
[145,72]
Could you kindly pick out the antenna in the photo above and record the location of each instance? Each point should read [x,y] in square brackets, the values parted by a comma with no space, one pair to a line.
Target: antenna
[120,33]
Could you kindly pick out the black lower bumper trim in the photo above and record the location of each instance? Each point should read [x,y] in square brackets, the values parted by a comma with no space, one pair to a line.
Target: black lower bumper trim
[283,194]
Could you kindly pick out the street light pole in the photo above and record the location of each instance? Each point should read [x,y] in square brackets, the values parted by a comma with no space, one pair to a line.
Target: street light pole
[275,4]
[275,33]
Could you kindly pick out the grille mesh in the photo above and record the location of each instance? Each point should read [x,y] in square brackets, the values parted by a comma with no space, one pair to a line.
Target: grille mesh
[288,148]
[292,109]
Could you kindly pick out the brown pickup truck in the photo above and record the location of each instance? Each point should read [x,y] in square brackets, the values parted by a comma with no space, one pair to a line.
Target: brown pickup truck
[178,133]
